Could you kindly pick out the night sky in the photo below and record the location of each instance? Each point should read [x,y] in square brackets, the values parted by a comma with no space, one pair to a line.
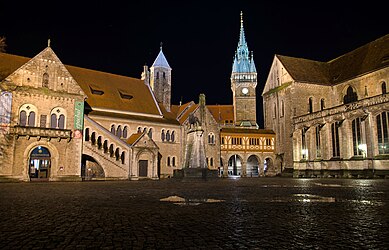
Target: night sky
[199,37]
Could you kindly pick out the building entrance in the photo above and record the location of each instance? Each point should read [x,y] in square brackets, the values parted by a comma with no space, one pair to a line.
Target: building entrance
[40,164]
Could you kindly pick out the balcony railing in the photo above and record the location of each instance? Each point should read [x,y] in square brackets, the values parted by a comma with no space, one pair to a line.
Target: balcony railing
[364,103]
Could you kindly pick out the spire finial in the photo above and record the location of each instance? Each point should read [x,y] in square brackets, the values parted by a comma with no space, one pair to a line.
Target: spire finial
[160,45]
[48,42]
[241,18]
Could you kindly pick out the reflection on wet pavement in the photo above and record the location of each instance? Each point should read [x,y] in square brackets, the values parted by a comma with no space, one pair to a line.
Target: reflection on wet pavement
[189,202]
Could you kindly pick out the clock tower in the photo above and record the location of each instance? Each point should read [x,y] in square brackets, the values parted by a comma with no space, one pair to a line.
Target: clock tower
[243,84]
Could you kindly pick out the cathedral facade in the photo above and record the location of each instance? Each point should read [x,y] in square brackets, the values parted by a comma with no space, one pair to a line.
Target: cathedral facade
[331,118]
[60,122]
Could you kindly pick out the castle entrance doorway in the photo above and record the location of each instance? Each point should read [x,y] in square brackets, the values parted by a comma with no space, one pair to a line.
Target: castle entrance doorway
[39,164]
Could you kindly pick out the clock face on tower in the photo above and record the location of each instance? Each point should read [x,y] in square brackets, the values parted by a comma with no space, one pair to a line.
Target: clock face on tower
[245,91]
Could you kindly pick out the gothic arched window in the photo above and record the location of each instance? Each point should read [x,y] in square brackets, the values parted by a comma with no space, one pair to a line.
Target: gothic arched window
[383,87]
[150,133]
[350,96]
[163,135]
[172,137]
[113,128]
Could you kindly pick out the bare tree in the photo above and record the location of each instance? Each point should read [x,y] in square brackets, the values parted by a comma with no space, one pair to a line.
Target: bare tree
[2,44]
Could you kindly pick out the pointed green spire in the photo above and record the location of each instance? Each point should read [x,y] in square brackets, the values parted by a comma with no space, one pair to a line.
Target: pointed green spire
[242,62]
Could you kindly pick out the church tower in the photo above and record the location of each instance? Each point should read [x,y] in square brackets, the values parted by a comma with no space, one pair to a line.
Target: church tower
[160,80]
[243,83]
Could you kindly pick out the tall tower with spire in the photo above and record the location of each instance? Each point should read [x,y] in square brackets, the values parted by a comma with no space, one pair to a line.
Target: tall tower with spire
[160,80]
[244,83]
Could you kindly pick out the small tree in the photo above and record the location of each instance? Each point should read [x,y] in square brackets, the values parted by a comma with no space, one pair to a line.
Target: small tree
[2,44]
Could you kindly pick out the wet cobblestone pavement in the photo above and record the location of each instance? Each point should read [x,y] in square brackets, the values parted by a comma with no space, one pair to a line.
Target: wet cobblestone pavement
[258,213]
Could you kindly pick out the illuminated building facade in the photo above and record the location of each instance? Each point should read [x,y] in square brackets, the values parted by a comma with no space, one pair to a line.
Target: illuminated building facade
[61,122]
[331,118]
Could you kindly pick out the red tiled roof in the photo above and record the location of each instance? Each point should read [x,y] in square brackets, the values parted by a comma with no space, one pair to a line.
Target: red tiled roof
[222,113]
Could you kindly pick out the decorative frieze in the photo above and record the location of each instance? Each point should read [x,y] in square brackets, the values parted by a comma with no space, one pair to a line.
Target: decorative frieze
[343,109]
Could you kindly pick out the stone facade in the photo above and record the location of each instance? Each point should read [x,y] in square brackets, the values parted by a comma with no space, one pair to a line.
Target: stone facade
[331,118]
[46,95]
[60,122]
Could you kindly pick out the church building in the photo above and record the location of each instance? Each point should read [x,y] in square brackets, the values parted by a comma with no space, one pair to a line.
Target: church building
[331,118]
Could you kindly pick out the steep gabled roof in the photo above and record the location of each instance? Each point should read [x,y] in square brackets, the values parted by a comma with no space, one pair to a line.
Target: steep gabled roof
[370,57]
[304,70]
[367,58]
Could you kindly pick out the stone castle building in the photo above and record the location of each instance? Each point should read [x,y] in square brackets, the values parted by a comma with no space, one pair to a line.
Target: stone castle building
[61,122]
[331,118]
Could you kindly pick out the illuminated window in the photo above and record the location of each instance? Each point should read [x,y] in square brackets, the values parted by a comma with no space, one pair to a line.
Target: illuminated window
[318,142]
[304,150]
[335,139]
[383,132]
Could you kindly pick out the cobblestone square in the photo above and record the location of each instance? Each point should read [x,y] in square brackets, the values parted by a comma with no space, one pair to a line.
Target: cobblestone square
[243,213]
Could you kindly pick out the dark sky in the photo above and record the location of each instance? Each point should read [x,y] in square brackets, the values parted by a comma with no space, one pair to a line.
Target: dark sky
[199,37]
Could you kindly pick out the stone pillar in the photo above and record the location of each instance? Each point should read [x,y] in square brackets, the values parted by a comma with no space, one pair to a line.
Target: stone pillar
[195,150]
